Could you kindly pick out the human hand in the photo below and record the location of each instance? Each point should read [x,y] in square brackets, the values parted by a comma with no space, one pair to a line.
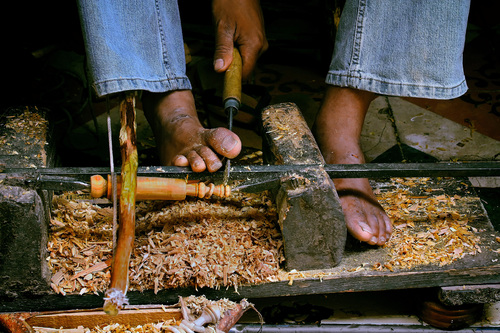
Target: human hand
[238,22]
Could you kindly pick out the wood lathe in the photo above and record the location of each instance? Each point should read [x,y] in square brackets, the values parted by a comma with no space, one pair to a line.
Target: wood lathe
[298,180]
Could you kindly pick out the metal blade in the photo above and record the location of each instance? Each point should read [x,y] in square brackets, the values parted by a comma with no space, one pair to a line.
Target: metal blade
[261,184]
[61,183]
[44,181]
[231,111]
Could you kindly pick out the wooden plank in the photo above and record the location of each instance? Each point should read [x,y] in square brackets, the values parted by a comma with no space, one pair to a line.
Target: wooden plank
[92,318]
[310,215]
[27,321]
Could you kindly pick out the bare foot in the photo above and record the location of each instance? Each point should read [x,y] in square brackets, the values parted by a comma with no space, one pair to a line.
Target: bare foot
[180,137]
[337,130]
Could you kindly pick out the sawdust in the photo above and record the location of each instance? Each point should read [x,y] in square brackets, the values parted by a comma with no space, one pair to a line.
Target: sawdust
[213,243]
[428,229]
[25,134]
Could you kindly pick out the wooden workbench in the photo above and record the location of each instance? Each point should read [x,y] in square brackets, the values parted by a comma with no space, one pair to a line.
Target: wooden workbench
[362,267]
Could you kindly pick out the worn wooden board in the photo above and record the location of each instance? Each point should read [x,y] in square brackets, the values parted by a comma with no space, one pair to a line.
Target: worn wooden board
[471,294]
[133,317]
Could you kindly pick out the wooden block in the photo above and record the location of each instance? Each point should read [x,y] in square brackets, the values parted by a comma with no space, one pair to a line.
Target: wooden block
[24,213]
[310,215]
[472,294]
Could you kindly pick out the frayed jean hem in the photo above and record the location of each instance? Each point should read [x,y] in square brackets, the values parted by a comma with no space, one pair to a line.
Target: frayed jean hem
[383,87]
[118,85]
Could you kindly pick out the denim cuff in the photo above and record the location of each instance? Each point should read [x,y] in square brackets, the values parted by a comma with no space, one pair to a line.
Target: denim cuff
[384,87]
[118,85]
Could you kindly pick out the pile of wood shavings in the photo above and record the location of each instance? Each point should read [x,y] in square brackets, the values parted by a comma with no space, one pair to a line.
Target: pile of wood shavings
[26,129]
[79,246]
[160,327]
[31,124]
[213,243]
[428,229]
[196,304]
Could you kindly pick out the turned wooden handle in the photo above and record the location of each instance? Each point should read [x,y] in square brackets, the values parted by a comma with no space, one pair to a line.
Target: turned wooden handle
[148,188]
[158,188]
[232,78]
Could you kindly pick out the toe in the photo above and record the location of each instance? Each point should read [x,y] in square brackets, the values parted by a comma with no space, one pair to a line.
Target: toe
[388,227]
[356,220]
[180,160]
[196,162]
[385,229]
[211,160]
[373,241]
[224,142]
[373,222]
[359,229]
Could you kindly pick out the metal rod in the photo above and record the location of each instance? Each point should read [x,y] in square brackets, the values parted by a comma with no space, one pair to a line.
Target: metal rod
[231,112]
[369,170]
[113,174]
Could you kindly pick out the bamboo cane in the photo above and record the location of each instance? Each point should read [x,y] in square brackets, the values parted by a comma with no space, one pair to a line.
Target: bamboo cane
[115,297]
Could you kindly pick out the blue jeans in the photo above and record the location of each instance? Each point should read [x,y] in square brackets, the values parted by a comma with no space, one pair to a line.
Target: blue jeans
[401,48]
[134,45]
[391,47]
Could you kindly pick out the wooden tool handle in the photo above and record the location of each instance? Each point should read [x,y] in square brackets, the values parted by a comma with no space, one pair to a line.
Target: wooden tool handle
[158,188]
[232,78]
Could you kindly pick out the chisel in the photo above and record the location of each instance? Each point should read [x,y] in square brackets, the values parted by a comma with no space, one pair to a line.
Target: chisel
[231,97]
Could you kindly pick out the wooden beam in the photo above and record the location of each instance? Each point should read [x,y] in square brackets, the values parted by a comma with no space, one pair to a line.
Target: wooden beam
[310,215]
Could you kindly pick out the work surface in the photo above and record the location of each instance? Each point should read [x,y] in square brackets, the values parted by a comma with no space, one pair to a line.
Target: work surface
[442,237]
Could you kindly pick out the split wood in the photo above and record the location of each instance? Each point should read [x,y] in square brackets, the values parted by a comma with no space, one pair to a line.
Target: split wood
[115,297]
[211,314]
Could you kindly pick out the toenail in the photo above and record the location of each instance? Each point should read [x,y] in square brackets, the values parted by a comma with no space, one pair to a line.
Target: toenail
[217,165]
[229,143]
[382,240]
[373,240]
[365,227]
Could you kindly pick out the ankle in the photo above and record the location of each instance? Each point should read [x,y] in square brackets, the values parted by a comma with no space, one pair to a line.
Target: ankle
[169,108]
[362,97]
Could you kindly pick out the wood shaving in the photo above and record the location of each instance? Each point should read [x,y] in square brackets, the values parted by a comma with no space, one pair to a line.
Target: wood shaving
[428,229]
[202,243]
[235,241]
[24,134]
